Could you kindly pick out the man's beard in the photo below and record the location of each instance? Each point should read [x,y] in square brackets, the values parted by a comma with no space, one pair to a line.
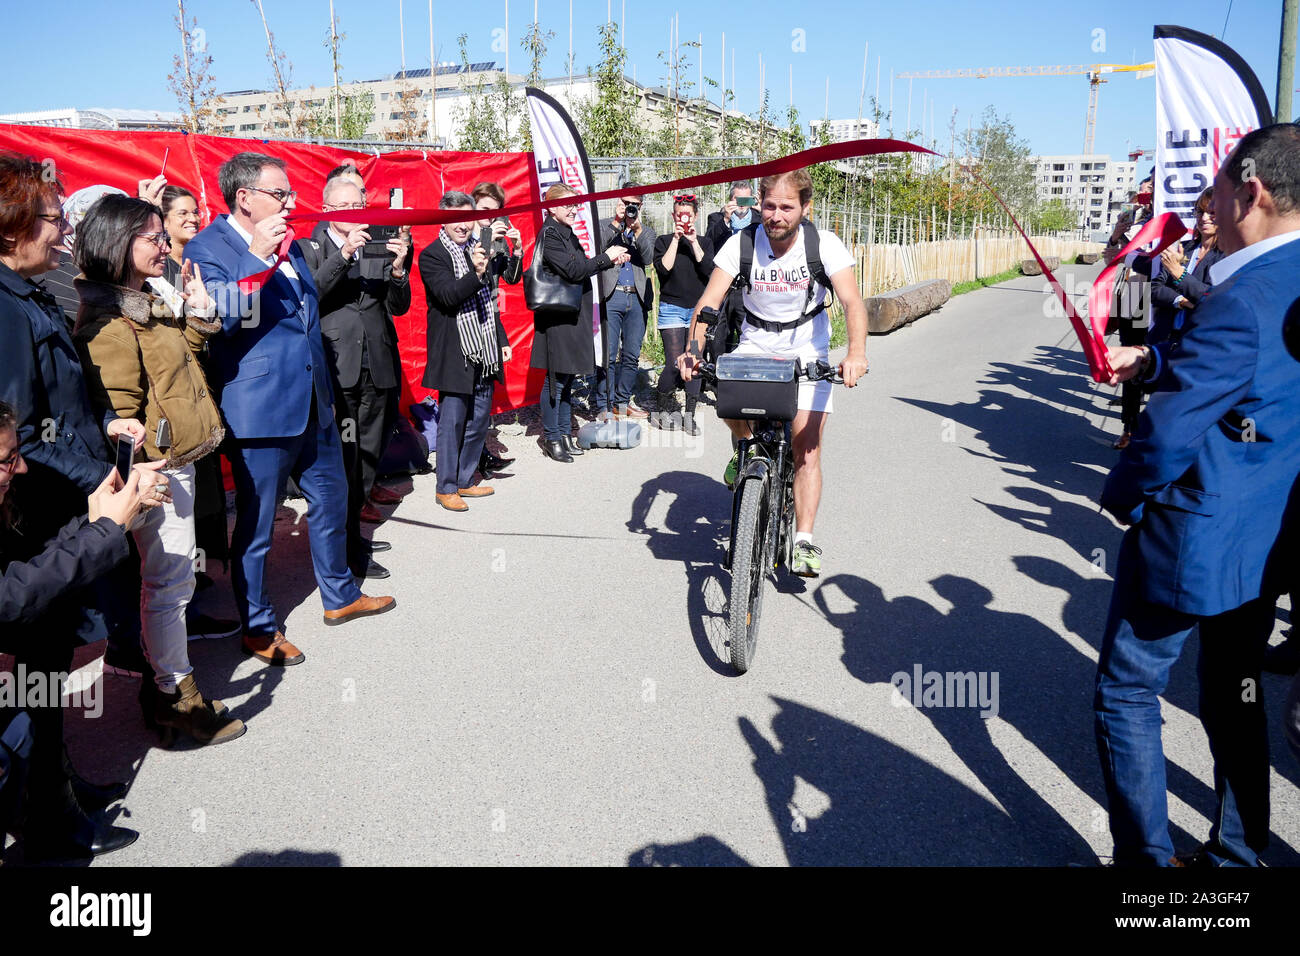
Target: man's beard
[775,236]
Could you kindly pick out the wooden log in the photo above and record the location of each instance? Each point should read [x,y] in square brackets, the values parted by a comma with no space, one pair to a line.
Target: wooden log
[1088,258]
[890,310]
[1030,267]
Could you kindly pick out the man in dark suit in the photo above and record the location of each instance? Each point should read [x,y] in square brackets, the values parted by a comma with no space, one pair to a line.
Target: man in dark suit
[269,363]
[1204,488]
[360,290]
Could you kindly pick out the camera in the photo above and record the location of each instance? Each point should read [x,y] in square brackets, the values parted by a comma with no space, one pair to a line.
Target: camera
[630,211]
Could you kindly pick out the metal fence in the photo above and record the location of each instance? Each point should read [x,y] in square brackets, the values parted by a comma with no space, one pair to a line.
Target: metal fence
[610,172]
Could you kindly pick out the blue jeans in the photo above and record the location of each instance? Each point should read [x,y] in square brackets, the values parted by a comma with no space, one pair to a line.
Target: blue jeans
[625,327]
[1141,643]
[557,411]
[462,430]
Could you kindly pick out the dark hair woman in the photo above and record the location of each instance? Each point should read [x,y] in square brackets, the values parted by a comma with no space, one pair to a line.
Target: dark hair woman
[139,361]
[182,222]
[466,349]
[563,340]
[39,617]
[684,261]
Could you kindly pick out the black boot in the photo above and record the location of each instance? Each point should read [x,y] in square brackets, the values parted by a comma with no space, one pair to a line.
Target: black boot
[91,797]
[488,463]
[58,830]
[571,446]
[556,451]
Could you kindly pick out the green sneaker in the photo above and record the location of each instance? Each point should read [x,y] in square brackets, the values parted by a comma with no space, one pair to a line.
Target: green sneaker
[733,469]
[807,560]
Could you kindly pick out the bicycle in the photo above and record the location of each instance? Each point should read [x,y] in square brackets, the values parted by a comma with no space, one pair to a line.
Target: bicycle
[762,509]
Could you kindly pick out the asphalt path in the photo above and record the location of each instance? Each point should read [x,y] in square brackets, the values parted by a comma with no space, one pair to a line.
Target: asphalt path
[552,687]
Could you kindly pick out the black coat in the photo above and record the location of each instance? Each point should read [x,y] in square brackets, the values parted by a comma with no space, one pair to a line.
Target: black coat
[60,434]
[358,299]
[37,581]
[563,341]
[446,368]
[1164,292]
[718,230]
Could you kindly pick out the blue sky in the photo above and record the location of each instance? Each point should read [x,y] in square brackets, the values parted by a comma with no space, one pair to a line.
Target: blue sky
[119,55]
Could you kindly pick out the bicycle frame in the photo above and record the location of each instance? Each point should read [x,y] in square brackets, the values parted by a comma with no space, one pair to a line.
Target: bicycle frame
[772,466]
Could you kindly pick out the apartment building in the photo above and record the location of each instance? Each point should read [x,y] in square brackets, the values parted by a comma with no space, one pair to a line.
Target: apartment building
[1094,186]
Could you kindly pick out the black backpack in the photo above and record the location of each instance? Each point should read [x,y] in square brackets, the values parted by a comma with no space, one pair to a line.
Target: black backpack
[734,314]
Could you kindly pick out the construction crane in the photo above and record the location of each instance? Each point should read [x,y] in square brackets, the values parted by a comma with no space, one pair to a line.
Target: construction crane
[1095,73]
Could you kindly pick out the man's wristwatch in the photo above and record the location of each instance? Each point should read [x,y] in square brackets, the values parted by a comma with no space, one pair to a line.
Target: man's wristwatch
[1148,359]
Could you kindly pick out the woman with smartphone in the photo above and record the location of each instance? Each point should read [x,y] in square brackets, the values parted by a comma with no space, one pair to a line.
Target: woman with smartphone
[684,262]
[40,605]
[140,359]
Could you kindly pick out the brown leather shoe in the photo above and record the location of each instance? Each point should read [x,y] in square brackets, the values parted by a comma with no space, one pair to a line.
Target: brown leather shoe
[363,606]
[371,514]
[272,649]
[631,411]
[452,502]
[383,496]
[478,491]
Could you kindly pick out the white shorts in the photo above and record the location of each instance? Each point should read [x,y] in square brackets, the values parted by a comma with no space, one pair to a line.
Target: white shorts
[813,396]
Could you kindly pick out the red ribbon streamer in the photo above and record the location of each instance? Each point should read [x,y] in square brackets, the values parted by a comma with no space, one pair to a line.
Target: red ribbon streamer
[1168,227]
[1091,334]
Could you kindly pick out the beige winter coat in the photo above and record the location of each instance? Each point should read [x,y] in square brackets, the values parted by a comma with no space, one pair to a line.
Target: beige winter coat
[142,361]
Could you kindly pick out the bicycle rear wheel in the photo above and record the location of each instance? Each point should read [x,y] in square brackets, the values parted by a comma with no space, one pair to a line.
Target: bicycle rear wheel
[748,569]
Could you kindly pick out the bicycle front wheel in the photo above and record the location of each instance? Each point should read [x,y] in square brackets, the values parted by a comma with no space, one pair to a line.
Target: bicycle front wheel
[748,569]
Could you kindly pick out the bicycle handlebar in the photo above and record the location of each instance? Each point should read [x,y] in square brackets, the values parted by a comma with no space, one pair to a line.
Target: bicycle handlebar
[818,371]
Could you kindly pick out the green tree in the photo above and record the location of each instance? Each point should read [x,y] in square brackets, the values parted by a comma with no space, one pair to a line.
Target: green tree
[1002,160]
[607,119]
[534,41]
[1055,215]
[356,114]
[483,116]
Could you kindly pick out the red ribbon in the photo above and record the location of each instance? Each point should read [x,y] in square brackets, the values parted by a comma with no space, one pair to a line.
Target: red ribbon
[250,285]
[1091,334]
[1169,228]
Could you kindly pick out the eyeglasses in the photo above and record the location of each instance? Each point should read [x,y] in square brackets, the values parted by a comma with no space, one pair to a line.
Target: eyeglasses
[10,463]
[160,239]
[339,207]
[281,196]
[58,218]
[185,214]
[685,197]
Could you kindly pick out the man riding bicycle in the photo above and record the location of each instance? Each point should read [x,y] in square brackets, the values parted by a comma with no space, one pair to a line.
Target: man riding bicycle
[786,315]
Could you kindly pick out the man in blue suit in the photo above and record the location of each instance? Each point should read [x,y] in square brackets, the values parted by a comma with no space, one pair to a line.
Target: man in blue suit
[1208,488]
[271,370]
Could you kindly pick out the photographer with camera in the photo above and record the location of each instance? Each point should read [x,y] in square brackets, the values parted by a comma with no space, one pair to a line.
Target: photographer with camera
[362,282]
[629,297]
[684,262]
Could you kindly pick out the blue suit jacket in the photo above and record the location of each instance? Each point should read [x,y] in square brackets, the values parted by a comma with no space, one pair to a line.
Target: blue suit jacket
[269,362]
[1209,474]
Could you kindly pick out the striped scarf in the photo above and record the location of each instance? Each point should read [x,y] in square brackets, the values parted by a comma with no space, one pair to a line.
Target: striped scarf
[476,320]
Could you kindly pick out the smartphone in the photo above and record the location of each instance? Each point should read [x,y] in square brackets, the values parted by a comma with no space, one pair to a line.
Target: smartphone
[746,200]
[395,198]
[163,437]
[125,455]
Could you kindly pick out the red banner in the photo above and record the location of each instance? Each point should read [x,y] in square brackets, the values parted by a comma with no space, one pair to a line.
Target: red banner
[89,157]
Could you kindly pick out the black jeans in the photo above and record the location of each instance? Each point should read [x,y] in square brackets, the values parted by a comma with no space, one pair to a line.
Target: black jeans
[557,407]
[670,379]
